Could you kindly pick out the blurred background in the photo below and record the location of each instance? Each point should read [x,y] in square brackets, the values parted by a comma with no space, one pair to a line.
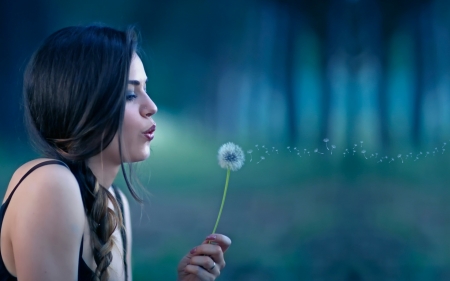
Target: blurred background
[365,82]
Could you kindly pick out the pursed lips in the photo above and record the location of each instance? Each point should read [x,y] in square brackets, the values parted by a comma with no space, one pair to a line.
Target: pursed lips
[150,133]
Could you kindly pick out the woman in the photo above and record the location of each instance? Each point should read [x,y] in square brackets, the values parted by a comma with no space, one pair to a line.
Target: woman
[88,113]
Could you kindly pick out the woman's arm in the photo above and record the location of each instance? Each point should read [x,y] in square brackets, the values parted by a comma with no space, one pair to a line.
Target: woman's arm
[127,216]
[48,225]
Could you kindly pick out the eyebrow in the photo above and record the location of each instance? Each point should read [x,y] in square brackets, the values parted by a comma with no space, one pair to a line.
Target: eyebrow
[135,82]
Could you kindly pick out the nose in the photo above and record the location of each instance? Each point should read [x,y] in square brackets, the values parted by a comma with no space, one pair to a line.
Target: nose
[148,108]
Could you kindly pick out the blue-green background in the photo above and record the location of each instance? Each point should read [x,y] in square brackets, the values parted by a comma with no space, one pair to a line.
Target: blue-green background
[278,74]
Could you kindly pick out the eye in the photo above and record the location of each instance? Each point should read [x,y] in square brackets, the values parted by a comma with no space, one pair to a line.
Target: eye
[130,95]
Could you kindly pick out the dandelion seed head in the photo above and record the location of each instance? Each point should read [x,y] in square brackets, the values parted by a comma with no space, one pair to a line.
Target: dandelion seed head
[326,140]
[231,156]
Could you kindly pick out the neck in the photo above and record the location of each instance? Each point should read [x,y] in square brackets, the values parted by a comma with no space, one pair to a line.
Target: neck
[105,171]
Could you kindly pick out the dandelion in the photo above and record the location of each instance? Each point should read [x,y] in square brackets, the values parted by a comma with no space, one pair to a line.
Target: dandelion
[364,153]
[304,150]
[276,150]
[256,146]
[371,155]
[298,153]
[317,151]
[344,153]
[326,141]
[289,148]
[332,147]
[381,160]
[444,144]
[392,160]
[443,150]
[262,158]
[361,142]
[231,157]
[400,156]
[428,153]
[250,152]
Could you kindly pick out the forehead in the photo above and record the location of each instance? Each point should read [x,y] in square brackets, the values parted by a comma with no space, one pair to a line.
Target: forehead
[137,71]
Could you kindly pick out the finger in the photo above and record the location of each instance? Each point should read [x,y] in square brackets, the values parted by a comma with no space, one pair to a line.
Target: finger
[218,239]
[207,264]
[213,251]
[200,272]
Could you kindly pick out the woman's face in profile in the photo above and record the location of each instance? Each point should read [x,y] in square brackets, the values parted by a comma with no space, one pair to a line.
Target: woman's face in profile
[138,125]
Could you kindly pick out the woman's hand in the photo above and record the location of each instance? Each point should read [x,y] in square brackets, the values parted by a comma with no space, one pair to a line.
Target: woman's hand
[204,262]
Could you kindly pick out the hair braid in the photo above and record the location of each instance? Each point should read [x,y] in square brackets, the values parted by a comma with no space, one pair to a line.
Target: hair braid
[103,221]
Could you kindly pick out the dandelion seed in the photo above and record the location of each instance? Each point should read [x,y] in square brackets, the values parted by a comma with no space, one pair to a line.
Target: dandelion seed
[361,142]
[354,152]
[326,141]
[273,148]
[304,151]
[295,148]
[392,160]
[250,152]
[371,155]
[381,160]
[276,150]
[400,156]
[444,144]
[332,147]
[267,152]
[289,148]
[364,153]
[298,153]
[231,156]
[376,154]
[263,146]
[256,146]
[417,158]
[344,154]
[434,153]
[309,154]
[428,153]
[317,151]
[443,150]
[262,158]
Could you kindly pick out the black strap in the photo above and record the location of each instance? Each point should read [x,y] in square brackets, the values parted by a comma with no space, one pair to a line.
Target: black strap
[122,230]
[44,163]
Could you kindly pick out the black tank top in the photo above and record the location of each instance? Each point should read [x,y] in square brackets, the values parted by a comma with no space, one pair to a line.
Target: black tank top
[84,271]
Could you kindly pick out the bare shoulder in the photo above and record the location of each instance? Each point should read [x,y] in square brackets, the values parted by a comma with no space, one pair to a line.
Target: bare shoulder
[48,188]
[44,222]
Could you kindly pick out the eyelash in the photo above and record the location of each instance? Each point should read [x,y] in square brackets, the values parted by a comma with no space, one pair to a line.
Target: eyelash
[130,96]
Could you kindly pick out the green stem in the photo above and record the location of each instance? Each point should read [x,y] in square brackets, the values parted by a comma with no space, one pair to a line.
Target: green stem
[223,200]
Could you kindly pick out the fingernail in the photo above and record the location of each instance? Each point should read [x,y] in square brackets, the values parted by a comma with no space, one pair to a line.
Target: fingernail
[211,237]
[193,250]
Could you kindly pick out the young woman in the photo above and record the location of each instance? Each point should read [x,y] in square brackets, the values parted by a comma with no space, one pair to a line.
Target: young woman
[88,113]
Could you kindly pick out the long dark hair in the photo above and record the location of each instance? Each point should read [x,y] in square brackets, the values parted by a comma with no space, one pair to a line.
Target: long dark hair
[74,95]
